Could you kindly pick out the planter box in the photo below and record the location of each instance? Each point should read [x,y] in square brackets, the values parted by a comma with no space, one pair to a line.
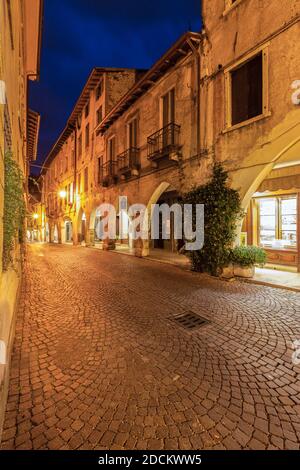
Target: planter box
[244,271]
[227,272]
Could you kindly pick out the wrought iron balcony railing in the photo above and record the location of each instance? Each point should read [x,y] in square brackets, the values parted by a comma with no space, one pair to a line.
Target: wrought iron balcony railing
[163,142]
[129,161]
[108,172]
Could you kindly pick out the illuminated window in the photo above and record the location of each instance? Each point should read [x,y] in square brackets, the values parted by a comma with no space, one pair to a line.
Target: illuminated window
[277,222]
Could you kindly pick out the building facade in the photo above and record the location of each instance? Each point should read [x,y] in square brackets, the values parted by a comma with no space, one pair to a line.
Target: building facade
[200,103]
[250,94]
[142,146]
[20,41]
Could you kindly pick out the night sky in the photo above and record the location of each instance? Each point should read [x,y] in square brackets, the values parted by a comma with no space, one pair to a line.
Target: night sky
[81,34]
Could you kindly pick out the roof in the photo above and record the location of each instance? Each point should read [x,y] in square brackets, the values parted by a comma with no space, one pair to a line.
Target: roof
[33,127]
[181,48]
[92,81]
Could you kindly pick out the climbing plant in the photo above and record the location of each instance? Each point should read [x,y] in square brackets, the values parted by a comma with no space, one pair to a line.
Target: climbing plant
[14,208]
[222,211]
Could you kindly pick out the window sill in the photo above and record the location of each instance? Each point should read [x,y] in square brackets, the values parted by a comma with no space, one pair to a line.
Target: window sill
[231,7]
[248,122]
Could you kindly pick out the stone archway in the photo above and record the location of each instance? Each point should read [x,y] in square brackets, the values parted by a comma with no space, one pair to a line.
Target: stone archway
[282,146]
[81,226]
[154,199]
[67,230]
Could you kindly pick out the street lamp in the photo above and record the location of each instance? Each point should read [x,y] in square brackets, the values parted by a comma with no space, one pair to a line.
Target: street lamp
[62,194]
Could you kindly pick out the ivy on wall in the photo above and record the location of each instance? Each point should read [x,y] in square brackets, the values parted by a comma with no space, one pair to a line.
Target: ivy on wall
[14,208]
[222,211]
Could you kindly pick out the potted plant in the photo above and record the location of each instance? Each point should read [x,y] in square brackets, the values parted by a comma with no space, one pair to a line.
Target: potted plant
[244,259]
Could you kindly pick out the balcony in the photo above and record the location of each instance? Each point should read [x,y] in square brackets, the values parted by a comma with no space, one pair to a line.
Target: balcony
[165,143]
[108,173]
[129,162]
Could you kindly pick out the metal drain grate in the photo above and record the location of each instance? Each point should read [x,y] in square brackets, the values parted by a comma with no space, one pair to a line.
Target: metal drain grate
[190,320]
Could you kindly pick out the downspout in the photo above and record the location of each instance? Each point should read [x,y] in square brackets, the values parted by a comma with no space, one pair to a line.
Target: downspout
[196,53]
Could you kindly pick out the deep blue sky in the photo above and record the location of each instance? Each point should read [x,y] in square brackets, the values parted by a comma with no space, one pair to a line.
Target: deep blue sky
[81,34]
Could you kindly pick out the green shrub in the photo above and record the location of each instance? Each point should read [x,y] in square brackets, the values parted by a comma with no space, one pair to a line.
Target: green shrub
[14,208]
[248,256]
[222,211]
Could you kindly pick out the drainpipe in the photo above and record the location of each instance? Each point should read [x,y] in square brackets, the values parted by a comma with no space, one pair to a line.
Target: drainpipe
[196,53]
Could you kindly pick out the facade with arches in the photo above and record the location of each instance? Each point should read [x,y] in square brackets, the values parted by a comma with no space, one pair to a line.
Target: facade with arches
[155,134]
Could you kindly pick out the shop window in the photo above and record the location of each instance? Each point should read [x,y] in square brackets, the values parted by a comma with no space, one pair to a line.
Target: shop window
[277,222]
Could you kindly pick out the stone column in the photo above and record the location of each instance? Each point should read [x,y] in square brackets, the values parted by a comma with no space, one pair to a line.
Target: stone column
[109,244]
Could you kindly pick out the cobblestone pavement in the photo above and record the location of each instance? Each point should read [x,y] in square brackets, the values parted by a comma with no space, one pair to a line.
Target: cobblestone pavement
[98,362]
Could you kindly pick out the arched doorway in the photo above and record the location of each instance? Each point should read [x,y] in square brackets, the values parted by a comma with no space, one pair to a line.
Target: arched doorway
[81,226]
[55,234]
[164,194]
[47,233]
[67,231]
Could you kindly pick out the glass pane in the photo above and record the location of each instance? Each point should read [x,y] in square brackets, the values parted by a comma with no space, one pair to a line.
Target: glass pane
[267,206]
[267,222]
[289,206]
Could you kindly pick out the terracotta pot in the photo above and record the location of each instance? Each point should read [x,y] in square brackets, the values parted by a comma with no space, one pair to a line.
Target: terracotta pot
[244,271]
[227,272]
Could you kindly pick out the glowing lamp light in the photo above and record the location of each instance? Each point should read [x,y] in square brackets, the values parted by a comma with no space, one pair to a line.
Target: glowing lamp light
[35,216]
[62,194]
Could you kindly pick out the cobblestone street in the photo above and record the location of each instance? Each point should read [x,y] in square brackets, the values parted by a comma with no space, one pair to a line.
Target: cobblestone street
[99,363]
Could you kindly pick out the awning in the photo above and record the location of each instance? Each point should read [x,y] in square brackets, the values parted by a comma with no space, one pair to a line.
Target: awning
[282,183]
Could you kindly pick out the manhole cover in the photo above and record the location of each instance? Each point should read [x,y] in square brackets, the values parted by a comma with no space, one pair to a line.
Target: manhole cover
[190,320]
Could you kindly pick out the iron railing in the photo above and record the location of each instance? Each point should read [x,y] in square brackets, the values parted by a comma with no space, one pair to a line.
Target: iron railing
[164,141]
[129,160]
[108,171]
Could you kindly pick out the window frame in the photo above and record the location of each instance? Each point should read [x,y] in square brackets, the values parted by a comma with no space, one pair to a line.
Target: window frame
[278,220]
[264,50]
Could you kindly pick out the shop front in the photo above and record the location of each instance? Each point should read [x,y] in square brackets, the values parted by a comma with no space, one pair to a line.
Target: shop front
[273,219]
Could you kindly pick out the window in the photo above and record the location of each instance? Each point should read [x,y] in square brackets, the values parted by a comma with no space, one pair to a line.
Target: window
[277,222]
[111,148]
[71,193]
[99,90]
[247,89]
[99,115]
[86,180]
[99,169]
[80,145]
[168,108]
[132,133]
[66,163]
[87,110]
[87,136]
